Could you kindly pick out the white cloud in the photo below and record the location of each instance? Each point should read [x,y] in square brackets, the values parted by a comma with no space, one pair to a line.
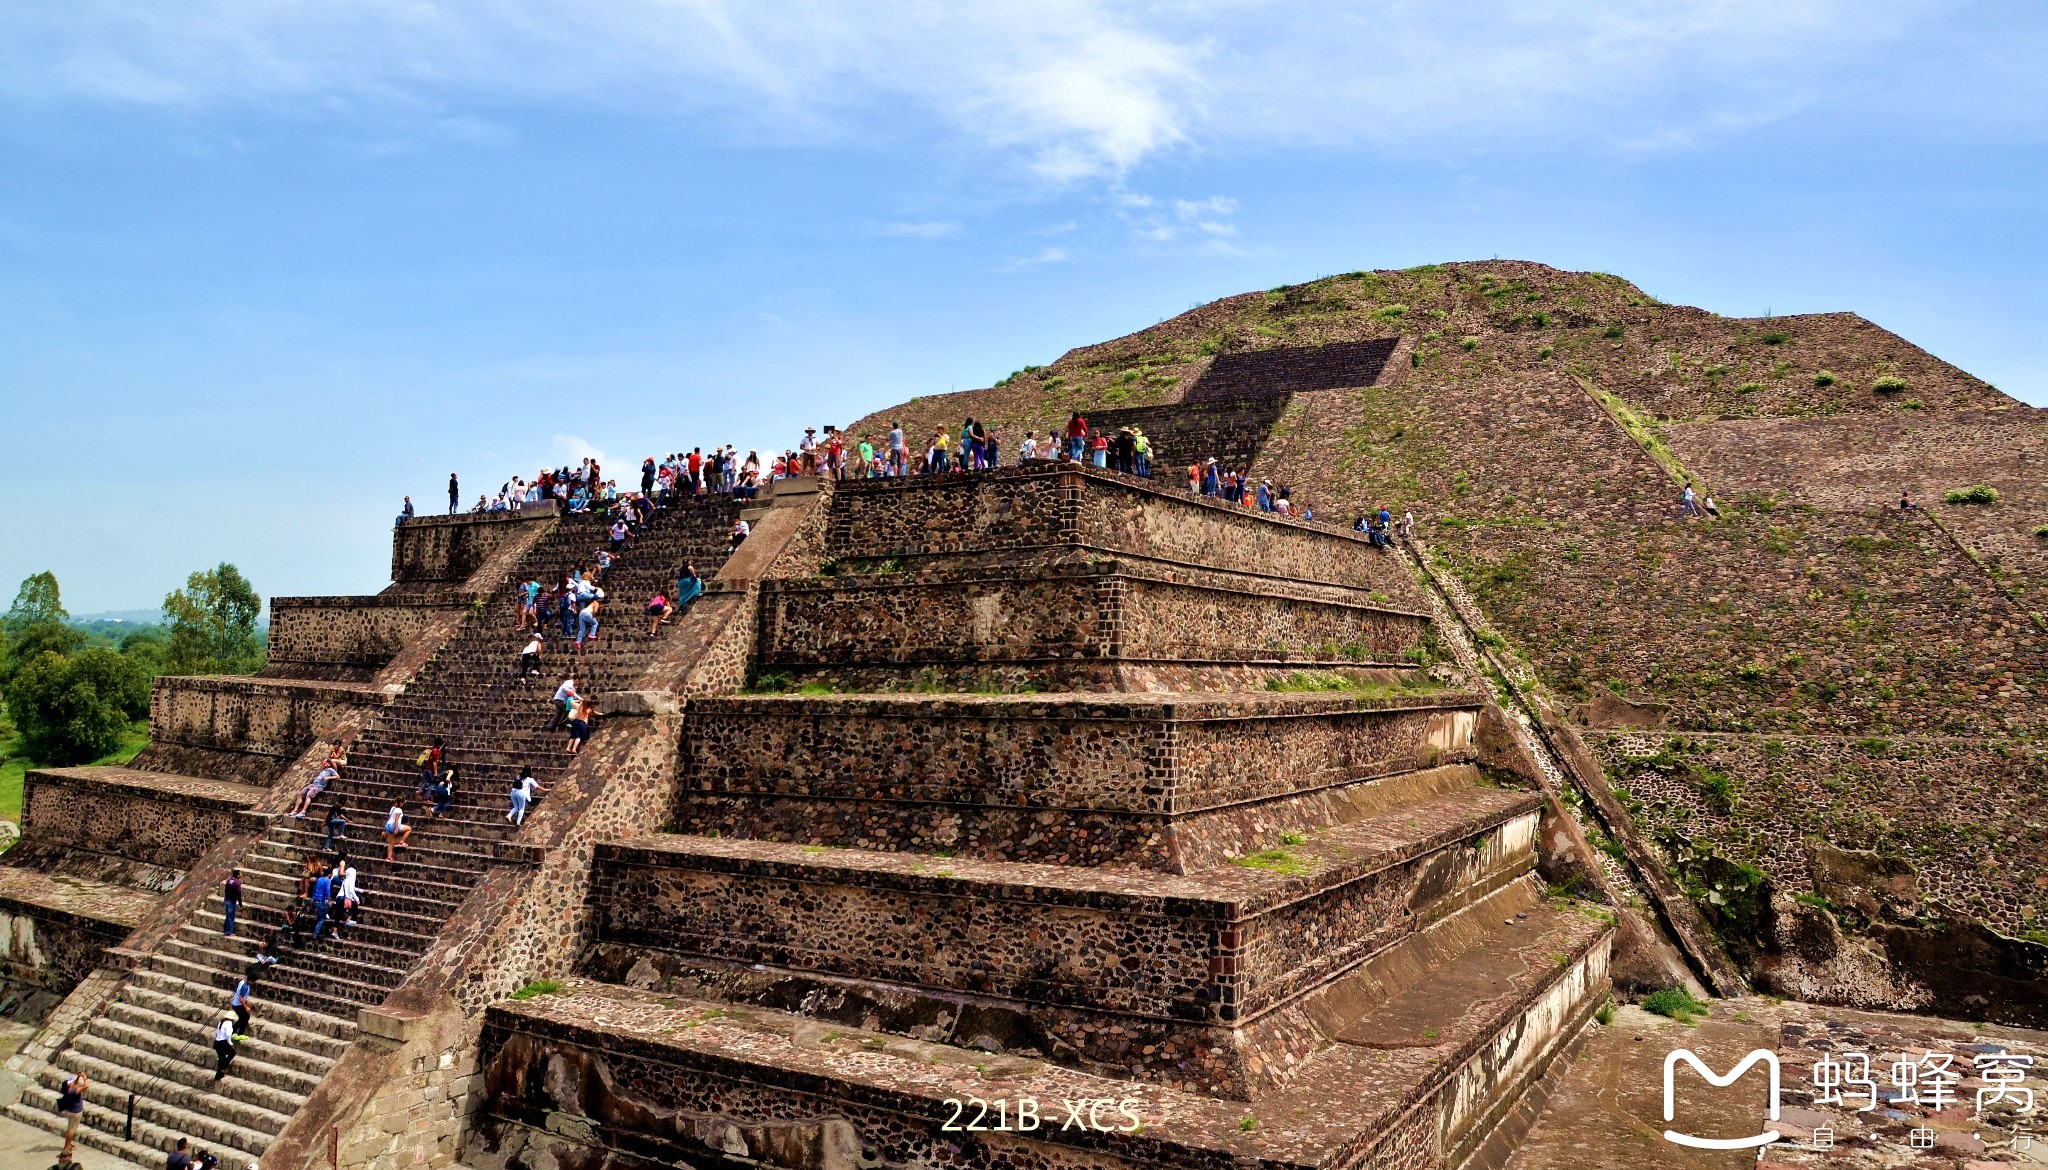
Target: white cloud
[574,449]
[921,231]
[1042,256]
[1072,89]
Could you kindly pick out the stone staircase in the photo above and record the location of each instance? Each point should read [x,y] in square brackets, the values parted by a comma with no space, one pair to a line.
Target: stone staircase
[150,1051]
[1083,792]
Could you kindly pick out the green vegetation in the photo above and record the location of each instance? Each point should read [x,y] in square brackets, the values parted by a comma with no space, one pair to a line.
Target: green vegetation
[538,987]
[1392,312]
[1612,332]
[1293,839]
[1824,378]
[2042,532]
[1677,1003]
[1543,355]
[1888,384]
[213,624]
[1277,860]
[1644,430]
[1468,344]
[1775,338]
[1605,1012]
[1331,680]
[1248,1124]
[1974,494]
[1913,404]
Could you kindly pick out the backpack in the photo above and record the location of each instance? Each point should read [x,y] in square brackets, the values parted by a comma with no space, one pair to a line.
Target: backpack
[425,756]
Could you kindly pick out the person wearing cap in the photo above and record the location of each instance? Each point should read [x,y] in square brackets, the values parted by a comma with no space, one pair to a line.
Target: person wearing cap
[71,1106]
[223,1046]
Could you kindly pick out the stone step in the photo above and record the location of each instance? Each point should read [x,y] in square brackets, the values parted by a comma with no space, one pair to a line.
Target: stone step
[271,1042]
[312,993]
[411,879]
[1092,957]
[273,893]
[157,1123]
[1348,1104]
[1176,782]
[313,966]
[101,1130]
[171,994]
[371,927]
[180,1072]
[354,943]
[445,855]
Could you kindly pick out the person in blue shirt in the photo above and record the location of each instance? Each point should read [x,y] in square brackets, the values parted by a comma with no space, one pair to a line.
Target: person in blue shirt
[323,889]
[239,1002]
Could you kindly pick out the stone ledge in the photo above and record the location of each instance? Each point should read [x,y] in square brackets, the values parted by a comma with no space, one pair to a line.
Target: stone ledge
[74,901]
[1182,706]
[190,790]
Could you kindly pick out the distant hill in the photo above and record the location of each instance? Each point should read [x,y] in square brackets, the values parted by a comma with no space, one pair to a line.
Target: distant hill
[1824,713]
[133,617]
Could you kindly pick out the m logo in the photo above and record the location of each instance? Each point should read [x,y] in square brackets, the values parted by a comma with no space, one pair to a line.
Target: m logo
[1720,1082]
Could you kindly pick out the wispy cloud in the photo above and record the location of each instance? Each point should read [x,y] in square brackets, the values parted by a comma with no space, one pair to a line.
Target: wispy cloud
[921,231]
[573,449]
[1042,256]
[1072,89]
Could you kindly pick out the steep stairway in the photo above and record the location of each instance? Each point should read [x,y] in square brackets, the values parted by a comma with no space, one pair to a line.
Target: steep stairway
[152,1049]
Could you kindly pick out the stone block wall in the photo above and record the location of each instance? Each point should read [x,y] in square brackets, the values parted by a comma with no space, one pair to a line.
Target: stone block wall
[344,637]
[258,716]
[49,952]
[1073,783]
[165,821]
[1102,611]
[451,548]
[1045,510]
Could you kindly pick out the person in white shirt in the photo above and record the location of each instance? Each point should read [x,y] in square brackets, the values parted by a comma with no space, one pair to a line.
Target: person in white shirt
[350,894]
[529,658]
[396,831]
[223,1046]
[1028,449]
[524,791]
[740,531]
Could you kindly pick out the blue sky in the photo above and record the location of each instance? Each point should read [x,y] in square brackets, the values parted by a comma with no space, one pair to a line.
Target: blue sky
[266,267]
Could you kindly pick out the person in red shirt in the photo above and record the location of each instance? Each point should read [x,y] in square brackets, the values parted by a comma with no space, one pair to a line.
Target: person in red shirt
[1077,436]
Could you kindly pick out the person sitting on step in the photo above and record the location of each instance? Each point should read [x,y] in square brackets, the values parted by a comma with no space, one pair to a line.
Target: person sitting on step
[327,775]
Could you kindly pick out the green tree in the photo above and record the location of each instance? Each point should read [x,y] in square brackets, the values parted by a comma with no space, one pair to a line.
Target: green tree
[72,709]
[34,625]
[213,624]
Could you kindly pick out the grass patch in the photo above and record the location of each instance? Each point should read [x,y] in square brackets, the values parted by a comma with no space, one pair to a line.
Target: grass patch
[1293,839]
[1277,860]
[1676,1003]
[2042,532]
[1330,680]
[1750,388]
[1888,384]
[1775,338]
[1824,378]
[1612,332]
[1912,404]
[1392,312]
[538,987]
[1604,1013]
[1643,429]
[1977,493]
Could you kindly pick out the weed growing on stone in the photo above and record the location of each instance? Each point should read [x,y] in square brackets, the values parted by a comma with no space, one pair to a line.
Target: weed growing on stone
[1749,388]
[1974,494]
[1775,338]
[1605,1012]
[1676,1003]
[538,987]
[1823,379]
[2042,532]
[1292,839]
[1888,384]
[1277,860]
[1248,1124]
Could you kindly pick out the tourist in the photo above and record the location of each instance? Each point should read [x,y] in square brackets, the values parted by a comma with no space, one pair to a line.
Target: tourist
[579,724]
[1141,444]
[1408,526]
[1687,505]
[529,604]
[314,868]
[1028,449]
[935,453]
[1098,449]
[429,764]
[337,825]
[1077,436]
[396,832]
[270,951]
[740,531]
[529,658]
[230,902]
[525,791]
[348,893]
[323,890]
[564,700]
[443,792]
[647,476]
[405,513]
[179,1159]
[454,494]
[238,1003]
[223,1049]
[1707,502]
[586,623]
[71,1107]
[327,775]
[658,611]
[689,586]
